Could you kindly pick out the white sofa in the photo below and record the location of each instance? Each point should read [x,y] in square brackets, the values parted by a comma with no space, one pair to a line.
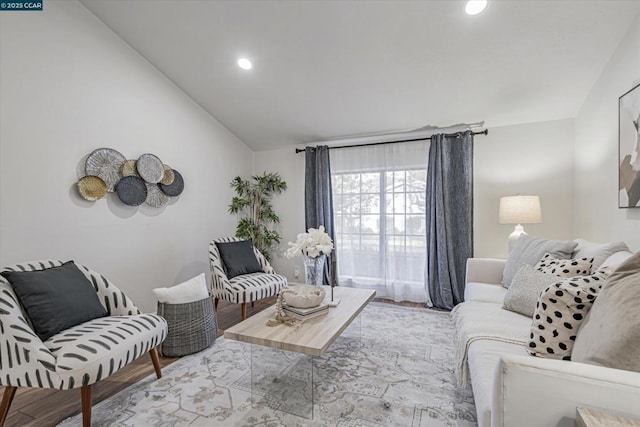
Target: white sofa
[512,388]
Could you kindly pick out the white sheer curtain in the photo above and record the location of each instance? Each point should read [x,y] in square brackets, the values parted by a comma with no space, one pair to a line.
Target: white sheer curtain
[379,194]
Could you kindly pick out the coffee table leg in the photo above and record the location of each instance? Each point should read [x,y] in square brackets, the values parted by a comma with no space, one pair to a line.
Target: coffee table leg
[282,380]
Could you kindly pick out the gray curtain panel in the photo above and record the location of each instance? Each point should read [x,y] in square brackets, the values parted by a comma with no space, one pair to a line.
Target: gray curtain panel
[318,202]
[449,217]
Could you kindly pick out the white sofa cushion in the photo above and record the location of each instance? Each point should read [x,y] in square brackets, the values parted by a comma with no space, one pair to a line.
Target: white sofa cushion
[485,292]
[599,251]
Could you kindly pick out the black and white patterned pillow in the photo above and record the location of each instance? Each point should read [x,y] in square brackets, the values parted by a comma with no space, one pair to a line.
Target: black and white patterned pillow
[565,267]
[559,313]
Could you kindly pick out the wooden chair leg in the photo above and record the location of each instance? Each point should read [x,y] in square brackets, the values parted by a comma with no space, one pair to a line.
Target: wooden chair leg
[252,302]
[243,310]
[156,361]
[216,300]
[7,398]
[85,393]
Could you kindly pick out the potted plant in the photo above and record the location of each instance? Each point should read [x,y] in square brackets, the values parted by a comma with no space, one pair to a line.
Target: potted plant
[253,204]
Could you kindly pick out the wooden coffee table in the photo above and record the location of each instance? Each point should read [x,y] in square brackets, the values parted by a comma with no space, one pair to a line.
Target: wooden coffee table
[310,338]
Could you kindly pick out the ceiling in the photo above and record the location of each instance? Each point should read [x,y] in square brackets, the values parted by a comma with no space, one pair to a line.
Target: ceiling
[324,69]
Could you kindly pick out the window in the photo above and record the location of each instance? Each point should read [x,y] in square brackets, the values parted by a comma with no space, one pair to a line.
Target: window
[380,225]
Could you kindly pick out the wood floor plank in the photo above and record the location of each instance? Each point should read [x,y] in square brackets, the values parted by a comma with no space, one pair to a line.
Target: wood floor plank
[44,407]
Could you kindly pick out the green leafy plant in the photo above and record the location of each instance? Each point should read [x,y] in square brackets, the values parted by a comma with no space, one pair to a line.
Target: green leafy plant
[252,204]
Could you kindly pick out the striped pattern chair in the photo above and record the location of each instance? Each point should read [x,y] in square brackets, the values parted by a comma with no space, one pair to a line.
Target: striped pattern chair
[247,287]
[79,356]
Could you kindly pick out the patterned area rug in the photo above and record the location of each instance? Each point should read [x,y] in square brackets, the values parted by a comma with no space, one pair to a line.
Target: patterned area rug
[394,367]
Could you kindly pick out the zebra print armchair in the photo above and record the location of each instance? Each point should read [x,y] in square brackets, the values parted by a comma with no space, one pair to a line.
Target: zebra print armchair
[76,357]
[247,287]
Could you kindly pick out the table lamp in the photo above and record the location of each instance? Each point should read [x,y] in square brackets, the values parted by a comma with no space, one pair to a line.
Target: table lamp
[519,210]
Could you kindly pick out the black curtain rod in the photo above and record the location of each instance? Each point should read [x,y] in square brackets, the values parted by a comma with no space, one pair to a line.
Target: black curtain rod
[482,132]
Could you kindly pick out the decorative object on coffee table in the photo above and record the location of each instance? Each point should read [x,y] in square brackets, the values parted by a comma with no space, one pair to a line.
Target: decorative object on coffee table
[313,269]
[304,296]
[314,246]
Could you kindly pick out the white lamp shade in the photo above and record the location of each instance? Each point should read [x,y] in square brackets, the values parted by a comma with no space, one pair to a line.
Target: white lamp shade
[520,210]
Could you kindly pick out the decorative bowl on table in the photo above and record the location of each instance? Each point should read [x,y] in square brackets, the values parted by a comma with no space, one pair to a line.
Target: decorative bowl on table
[303,296]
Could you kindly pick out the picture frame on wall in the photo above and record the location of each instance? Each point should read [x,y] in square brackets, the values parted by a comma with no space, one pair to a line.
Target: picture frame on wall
[629,149]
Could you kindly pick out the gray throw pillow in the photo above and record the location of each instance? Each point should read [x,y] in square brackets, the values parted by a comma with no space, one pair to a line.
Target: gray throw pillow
[56,298]
[610,335]
[599,251]
[529,250]
[525,289]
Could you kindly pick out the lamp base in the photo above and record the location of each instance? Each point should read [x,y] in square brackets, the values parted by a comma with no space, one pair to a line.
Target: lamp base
[517,232]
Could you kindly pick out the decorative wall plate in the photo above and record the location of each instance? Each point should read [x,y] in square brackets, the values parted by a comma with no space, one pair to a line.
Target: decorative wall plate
[150,168]
[175,188]
[106,164]
[129,168]
[132,190]
[168,177]
[155,197]
[92,188]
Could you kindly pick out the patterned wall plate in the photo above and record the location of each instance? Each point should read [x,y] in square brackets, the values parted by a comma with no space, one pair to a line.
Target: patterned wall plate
[150,168]
[129,168]
[155,197]
[176,187]
[132,190]
[169,176]
[106,164]
[92,188]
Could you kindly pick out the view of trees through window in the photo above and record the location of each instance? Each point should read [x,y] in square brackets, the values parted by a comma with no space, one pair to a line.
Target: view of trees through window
[380,225]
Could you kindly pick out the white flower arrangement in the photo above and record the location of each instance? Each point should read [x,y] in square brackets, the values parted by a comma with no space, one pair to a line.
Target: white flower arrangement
[313,243]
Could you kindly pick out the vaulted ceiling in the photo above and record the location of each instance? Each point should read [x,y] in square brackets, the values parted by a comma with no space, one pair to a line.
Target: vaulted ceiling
[331,68]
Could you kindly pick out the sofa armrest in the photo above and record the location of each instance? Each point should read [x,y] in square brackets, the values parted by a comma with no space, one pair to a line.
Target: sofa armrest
[485,270]
[531,392]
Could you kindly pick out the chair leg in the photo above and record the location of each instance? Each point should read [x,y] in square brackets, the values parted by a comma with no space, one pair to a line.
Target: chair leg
[216,300]
[243,310]
[156,361]
[7,398]
[85,393]
[252,302]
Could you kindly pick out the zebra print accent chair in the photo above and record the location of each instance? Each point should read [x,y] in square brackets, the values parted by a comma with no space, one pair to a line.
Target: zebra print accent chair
[79,356]
[247,287]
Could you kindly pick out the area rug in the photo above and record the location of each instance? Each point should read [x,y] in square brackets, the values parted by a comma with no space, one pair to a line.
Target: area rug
[393,367]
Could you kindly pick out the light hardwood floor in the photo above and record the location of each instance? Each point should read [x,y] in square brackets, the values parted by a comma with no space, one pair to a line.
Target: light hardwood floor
[43,407]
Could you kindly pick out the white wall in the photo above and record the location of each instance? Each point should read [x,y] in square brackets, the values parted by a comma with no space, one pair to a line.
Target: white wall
[529,159]
[596,213]
[68,85]
[288,205]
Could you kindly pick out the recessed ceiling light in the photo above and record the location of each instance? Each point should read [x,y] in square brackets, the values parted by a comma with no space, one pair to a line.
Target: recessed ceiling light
[474,7]
[245,64]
